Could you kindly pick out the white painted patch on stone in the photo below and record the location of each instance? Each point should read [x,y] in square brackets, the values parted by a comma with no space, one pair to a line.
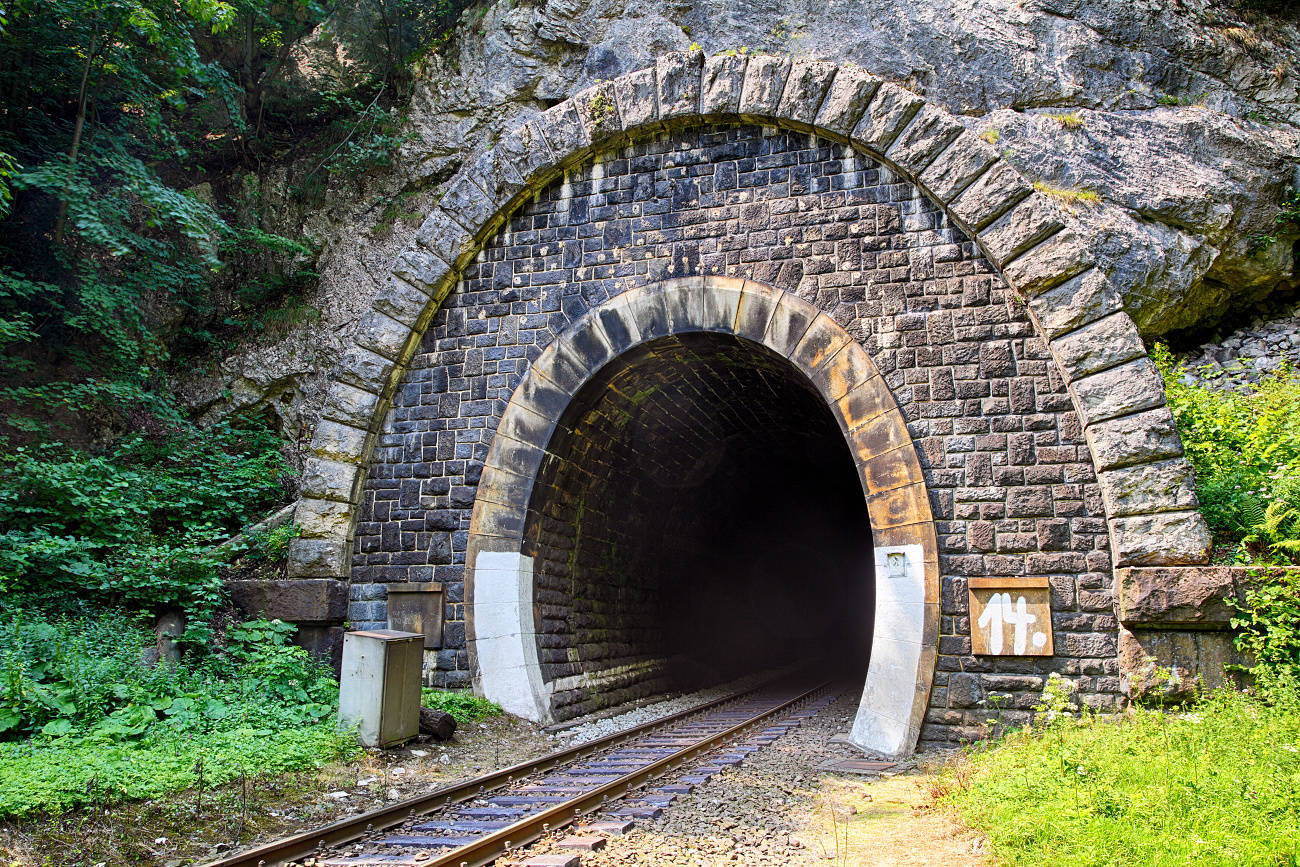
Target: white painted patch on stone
[505,636]
[893,674]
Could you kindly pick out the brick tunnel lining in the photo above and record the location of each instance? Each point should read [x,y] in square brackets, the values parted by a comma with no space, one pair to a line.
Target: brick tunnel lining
[698,516]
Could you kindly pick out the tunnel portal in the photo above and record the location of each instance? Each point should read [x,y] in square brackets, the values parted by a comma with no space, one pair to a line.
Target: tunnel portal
[698,516]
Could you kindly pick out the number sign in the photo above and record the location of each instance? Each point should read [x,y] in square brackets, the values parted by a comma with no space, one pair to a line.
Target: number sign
[1010,617]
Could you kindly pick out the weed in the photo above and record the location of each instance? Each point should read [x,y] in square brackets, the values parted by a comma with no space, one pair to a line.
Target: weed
[991,135]
[1072,120]
[1068,197]
[464,706]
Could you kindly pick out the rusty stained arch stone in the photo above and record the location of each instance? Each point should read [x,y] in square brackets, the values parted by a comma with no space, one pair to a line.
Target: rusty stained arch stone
[500,622]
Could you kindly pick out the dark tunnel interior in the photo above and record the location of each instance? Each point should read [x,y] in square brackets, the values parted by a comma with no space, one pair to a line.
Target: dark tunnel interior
[698,517]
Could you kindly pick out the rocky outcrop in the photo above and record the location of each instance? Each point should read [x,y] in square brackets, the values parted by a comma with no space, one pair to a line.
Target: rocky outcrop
[1169,128]
[1270,340]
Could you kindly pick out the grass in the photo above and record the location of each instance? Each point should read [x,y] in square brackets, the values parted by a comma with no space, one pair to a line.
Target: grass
[1219,784]
[1068,196]
[461,704]
[1071,120]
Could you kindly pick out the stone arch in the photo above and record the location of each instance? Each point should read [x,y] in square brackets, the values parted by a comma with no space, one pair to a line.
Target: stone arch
[498,576]
[1117,393]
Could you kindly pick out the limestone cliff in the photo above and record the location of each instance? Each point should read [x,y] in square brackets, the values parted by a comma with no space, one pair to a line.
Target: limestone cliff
[1170,129]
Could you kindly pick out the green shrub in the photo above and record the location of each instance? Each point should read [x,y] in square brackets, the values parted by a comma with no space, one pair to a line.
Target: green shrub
[463,705]
[99,724]
[1245,447]
[135,524]
[1219,786]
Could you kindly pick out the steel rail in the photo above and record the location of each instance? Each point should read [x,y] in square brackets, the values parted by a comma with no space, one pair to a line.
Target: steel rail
[308,843]
[492,846]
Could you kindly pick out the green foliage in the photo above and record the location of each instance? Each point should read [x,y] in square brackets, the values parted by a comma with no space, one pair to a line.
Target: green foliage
[1245,447]
[271,546]
[1268,627]
[464,706]
[1219,785]
[1287,219]
[101,725]
[134,525]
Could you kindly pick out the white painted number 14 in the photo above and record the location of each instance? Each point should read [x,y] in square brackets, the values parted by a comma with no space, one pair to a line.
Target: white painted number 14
[1000,611]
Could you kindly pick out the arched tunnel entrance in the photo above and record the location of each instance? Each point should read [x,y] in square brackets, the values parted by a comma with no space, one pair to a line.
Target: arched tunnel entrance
[678,491]
[698,516]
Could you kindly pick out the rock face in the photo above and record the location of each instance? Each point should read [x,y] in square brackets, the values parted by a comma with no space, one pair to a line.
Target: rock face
[1180,117]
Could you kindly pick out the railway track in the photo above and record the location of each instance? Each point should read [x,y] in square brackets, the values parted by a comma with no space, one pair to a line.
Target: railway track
[629,775]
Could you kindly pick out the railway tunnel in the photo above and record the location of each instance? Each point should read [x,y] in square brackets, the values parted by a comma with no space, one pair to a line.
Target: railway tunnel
[698,517]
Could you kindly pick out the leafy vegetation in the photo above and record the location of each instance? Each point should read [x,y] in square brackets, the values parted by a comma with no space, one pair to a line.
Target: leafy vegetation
[83,721]
[464,706]
[1219,784]
[134,525]
[1244,444]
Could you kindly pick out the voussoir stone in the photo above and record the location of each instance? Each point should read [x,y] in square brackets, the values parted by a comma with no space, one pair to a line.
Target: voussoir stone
[1098,345]
[424,272]
[1133,386]
[498,175]
[721,83]
[383,334]
[846,99]
[444,237]
[804,89]
[678,78]
[564,131]
[887,113]
[1141,438]
[931,130]
[351,405]
[401,298]
[765,77]
[323,519]
[1019,229]
[989,196]
[1047,263]
[638,103]
[1165,486]
[364,368]
[598,108]
[339,442]
[953,170]
[466,202]
[1162,539]
[526,149]
[325,479]
[1074,303]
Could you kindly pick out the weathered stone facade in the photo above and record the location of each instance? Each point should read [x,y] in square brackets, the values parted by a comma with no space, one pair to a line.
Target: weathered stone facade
[1012,486]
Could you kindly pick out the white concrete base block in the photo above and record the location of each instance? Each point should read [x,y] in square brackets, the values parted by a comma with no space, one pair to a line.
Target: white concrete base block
[883,722]
[505,636]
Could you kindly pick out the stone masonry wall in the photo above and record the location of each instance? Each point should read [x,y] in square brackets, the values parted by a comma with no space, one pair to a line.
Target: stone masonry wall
[1012,488]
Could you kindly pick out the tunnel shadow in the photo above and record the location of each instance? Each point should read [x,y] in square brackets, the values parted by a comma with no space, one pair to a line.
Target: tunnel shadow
[698,517]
